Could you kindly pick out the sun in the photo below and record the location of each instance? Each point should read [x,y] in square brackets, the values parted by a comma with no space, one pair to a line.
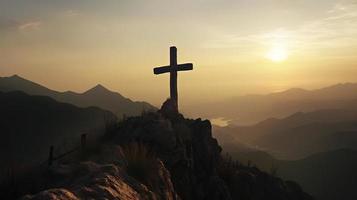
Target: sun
[278,53]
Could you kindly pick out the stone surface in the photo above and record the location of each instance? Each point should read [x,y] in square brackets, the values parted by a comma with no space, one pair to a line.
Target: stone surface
[89,180]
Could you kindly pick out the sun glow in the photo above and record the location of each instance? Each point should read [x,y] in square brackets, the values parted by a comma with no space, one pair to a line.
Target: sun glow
[277,53]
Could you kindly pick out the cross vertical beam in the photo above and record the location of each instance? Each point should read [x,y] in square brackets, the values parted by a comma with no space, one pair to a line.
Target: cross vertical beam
[173,75]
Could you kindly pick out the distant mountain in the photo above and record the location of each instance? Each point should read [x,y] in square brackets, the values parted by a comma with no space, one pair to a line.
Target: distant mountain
[97,96]
[300,134]
[30,124]
[327,176]
[250,109]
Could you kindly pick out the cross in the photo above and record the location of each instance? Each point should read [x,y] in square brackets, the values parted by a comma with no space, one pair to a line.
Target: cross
[173,68]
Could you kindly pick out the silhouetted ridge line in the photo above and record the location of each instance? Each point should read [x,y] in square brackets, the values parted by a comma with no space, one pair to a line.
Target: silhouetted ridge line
[98,96]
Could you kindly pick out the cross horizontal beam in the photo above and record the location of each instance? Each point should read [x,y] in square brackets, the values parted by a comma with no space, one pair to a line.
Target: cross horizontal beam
[180,67]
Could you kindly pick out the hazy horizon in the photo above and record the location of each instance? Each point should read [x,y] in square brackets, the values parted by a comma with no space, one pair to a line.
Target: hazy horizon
[237,47]
[159,103]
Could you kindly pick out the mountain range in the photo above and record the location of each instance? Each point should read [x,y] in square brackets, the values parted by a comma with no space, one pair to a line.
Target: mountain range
[317,149]
[97,96]
[298,135]
[251,109]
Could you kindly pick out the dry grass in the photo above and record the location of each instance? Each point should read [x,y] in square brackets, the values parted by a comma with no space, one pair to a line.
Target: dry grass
[140,162]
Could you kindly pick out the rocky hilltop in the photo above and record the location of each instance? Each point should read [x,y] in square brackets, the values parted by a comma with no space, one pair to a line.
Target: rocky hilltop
[187,164]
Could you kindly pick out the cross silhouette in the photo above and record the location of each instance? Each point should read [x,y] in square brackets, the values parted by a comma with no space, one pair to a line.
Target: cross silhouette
[173,68]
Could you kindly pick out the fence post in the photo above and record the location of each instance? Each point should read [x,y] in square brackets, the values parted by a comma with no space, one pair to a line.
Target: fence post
[83,142]
[50,156]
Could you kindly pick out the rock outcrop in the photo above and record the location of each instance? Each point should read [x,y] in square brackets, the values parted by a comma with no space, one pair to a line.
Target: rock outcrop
[185,146]
[194,159]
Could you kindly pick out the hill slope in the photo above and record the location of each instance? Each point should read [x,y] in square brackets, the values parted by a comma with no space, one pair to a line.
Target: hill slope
[97,96]
[30,124]
[327,176]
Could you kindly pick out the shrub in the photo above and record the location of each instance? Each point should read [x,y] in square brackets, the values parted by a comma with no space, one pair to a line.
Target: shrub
[228,167]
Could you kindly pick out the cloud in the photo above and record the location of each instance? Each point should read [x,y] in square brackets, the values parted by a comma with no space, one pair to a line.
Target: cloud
[72,13]
[32,25]
[8,24]
[340,24]
[337,28]
[15,25]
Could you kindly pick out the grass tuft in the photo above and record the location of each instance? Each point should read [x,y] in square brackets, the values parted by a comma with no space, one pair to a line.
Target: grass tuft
[140,162]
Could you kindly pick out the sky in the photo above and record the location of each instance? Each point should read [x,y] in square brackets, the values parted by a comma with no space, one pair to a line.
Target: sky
[237,47]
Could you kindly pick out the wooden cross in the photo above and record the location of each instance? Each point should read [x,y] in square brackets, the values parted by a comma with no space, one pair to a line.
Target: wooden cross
[173,68]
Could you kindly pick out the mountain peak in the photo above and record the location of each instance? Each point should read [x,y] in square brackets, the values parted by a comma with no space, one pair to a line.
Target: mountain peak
[16,83]
[18,80]
[16,77]
[98,89]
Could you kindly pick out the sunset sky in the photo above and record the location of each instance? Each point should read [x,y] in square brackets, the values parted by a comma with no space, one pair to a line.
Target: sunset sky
[237,46]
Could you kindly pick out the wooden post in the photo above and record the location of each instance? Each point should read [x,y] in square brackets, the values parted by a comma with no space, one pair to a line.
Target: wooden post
[83,142]
[50,156]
